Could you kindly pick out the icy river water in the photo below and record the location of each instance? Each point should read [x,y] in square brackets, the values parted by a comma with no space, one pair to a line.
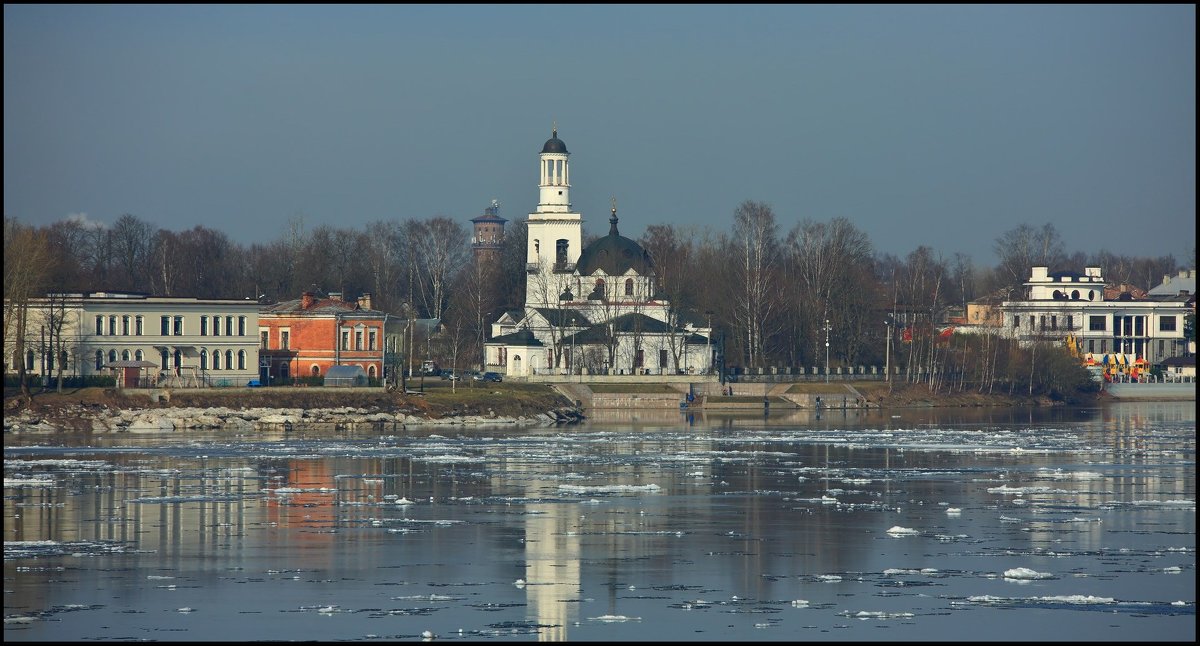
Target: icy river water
[1074,524]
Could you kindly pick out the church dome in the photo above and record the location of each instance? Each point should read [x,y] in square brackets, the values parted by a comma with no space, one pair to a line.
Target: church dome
[554,144]
[615,254]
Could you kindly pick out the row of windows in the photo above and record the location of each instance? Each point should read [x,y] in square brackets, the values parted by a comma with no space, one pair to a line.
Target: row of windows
[165,359]
[169,325]
[372,343]
[1123,325]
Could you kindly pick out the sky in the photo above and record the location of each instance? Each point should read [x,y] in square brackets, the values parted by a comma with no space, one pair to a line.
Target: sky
[942,126]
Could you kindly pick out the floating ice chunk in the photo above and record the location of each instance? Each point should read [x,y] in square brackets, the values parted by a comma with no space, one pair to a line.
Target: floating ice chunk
[1174,569]
[615,618]
[902,531]
[185,610]
[520,583]
[953,511]
[1178,603]
[1026,573]
[404,501]
[428,634]
[829,578]
[800,603]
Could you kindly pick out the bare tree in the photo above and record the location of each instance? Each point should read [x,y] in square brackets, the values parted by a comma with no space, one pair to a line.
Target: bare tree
[26,265]
[754,251]
[1025,247]
[132,239]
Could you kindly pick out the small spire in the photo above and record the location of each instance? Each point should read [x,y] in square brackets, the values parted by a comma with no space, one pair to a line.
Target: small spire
[612,221]
[553,129]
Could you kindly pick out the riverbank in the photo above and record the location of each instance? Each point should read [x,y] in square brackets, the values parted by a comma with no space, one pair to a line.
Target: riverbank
[432,403]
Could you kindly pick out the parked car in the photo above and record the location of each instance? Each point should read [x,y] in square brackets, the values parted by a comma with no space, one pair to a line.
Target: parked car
[449,374]
[491,376]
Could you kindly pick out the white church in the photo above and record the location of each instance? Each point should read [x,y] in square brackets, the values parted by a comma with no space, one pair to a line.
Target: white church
[590,311]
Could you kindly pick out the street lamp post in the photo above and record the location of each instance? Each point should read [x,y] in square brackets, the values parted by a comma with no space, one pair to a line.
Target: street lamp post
[708,343]
[826,350]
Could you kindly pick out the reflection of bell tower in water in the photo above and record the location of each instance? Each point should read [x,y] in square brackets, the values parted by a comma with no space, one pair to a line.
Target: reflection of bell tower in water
[555,233]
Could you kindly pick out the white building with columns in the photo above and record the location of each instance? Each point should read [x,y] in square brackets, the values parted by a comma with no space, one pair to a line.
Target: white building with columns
[1062,304]
[594,310]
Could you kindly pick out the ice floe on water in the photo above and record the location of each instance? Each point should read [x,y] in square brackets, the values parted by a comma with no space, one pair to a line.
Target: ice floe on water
[1026,574]
[902,531]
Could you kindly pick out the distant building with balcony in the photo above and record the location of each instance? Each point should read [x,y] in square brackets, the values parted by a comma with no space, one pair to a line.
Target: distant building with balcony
[1058,304]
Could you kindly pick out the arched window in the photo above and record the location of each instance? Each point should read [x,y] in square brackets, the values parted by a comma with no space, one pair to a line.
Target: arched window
[229,359]
[178,358]
[166,358]
[112,356]
[204,359]
[99,359]
[316,371]
[216,359]
[241,359]
[371,371]
[124,355]
[29,358]
[138,355]
[629,287]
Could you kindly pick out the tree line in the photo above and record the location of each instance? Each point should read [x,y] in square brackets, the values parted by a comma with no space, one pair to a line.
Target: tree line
[775,297]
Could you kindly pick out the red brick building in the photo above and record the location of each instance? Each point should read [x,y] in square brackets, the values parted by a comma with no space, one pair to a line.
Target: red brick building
[305,336]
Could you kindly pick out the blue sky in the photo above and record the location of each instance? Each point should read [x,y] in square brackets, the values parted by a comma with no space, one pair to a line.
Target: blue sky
[936,125]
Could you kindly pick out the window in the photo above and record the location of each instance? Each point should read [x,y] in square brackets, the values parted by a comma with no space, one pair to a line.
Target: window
[216,326]
[178,329]
[1162,347]
[112,324]
[284,339]
[216,359]
[241,326]
[165,327]
[316,371]
[1016,321]
[124,355]
[371,340]
[138,355]
[1097,324]
[345,340]
[203,326]
[125,325]
[229,359]
[1091,345]
[629,287]
[1053,321]
[1070,322]
[241,359]
[203,360]
[1166,324]
[165,359]
[138,325]
[228,326]
[1103,346]
[99,358]
[358,340]
[264,336]
[99,325]
[178,357]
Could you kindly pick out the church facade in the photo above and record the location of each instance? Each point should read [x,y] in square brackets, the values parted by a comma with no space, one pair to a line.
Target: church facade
[589,311]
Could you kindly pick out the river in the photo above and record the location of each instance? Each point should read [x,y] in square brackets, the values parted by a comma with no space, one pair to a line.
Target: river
[947,525]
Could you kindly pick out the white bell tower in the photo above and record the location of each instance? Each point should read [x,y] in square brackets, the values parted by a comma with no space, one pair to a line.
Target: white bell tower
[555,233]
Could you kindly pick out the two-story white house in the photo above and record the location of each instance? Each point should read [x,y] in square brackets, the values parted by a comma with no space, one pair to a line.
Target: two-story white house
[173,340]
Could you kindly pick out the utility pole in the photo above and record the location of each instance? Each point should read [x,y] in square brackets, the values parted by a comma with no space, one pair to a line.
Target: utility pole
[826,350]
[887,369]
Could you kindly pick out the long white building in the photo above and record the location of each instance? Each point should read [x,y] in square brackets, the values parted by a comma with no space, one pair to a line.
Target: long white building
[178,341]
